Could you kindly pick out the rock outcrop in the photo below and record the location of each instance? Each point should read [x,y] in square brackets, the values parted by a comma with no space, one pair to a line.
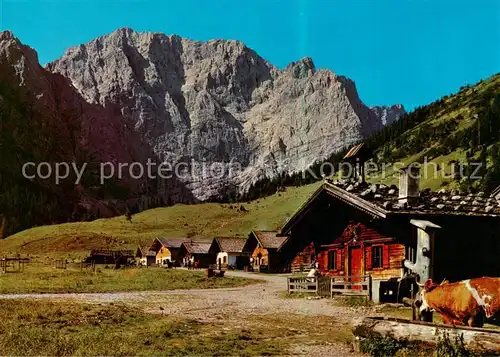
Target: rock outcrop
[43,118]
[230,117]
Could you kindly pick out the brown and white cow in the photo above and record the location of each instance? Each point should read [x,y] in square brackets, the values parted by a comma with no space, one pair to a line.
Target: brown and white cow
[468,302]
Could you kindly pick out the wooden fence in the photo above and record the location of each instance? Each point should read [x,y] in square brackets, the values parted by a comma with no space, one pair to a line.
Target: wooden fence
[302,285]
[327,286]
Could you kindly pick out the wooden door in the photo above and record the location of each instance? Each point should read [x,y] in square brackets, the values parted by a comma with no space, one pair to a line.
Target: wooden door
[355,265]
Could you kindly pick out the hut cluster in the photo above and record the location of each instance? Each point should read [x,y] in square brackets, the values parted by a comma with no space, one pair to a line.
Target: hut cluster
[350,228]
[256,252]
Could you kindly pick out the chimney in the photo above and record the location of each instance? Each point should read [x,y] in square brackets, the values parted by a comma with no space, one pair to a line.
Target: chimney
[409,181]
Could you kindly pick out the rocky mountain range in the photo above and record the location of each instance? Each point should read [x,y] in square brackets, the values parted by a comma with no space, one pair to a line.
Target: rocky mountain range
[219,102]
[216,111]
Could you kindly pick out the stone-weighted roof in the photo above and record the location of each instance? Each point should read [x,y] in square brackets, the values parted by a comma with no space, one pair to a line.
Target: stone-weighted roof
[431,202]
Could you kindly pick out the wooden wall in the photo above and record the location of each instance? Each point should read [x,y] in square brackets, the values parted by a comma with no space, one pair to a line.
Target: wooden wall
[270,258]
[263,260]
[163,253]
[304,258]
[366,237]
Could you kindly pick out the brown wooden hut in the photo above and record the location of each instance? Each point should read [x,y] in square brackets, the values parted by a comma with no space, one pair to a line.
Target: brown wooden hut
[230,252]
[197,252]
[265,247]
[167,249]
[353,228]
[145,256]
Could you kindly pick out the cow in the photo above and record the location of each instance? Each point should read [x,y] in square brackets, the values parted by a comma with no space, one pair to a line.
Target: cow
[468,302]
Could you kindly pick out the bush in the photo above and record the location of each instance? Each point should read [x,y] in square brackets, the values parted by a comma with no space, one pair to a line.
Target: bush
[447,347]
[378,346]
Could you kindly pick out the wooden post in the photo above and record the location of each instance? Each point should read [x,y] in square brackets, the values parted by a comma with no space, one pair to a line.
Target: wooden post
[369,287]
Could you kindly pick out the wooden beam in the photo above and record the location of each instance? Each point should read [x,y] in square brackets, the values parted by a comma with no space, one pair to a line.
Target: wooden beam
[476,339]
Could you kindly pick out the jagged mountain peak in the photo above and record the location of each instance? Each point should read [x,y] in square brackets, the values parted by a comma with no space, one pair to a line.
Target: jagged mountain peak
[11,49]
[218,101]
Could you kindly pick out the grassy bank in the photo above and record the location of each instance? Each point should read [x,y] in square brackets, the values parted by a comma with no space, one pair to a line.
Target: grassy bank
[203,220]
[43,279]
[45,328]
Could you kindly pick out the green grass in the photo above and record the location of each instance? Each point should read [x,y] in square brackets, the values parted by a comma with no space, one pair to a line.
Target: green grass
[455,113]
[207,220]
[59,329]
[432,178]
[43,279]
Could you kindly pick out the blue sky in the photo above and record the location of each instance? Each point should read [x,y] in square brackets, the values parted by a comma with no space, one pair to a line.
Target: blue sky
[397,51]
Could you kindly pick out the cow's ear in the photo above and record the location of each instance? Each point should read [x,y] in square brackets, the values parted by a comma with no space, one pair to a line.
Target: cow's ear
[428,284]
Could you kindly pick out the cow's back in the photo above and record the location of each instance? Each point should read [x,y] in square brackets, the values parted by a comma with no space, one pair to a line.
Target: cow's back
[488,294]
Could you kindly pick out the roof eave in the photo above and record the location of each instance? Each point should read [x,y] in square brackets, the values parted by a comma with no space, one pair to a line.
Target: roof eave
[356,201]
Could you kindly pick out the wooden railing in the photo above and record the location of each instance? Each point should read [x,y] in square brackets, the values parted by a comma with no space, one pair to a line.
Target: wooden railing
[327,286]
[352,285]
[302,285]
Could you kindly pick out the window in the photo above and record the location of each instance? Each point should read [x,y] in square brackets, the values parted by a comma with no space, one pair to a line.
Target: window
[332,260]
[410,254]
[377,261]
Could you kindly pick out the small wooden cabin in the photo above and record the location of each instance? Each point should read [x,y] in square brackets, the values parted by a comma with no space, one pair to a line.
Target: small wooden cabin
[145,256]
[266,254]
[230,252]
[197,252]
[167,250]
[353,228]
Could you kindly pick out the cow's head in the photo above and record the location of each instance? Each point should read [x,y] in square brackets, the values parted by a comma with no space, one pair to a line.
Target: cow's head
[420,299]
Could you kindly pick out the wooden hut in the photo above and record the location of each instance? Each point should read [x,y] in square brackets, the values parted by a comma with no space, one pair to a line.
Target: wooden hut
[230,252]
[167,250]
[145,256]
[354,228]
[266,254]
[197,252]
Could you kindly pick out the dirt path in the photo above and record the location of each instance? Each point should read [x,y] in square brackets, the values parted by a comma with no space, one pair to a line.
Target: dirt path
[232,305]
[204,304]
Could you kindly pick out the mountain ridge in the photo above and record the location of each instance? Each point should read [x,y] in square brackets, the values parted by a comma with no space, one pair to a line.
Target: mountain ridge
[127,97]
[219,99]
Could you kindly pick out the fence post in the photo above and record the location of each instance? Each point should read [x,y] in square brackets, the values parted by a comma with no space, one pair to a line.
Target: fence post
[288,285]
[331,288]
[369,287]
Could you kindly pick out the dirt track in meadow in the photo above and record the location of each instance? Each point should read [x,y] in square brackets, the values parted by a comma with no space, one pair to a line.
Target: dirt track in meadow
[235,306]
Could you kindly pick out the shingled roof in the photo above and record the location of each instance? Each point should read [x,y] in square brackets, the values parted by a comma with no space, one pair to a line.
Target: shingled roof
[269,240]
[172,242]
[145,252]
[197,247]
[231,244]
[382,201]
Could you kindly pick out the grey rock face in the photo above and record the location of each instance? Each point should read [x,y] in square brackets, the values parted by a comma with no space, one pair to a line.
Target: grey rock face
[219,103]
[388,114]
[87,132]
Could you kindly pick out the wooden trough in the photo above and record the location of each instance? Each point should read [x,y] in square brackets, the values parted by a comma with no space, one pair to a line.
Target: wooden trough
[476,339]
